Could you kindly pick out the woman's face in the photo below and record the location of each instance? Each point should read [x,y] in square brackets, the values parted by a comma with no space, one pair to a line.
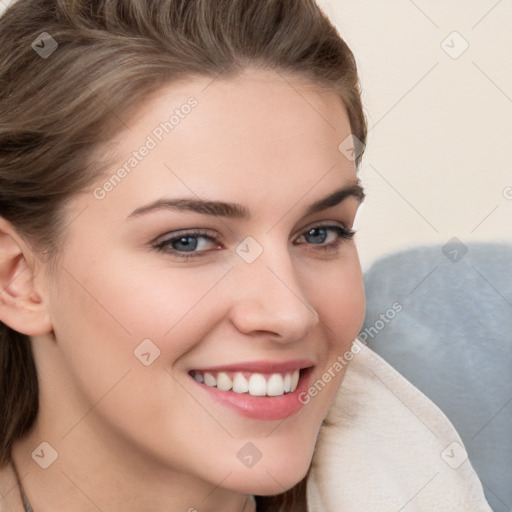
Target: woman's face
[220,255]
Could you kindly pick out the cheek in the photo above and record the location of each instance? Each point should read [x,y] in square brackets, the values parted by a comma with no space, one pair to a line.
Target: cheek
[339,300]
[108,316]
[133,300]
[100,319]
[337,294]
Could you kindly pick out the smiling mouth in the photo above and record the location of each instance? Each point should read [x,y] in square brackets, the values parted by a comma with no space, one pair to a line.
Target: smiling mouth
[251,383]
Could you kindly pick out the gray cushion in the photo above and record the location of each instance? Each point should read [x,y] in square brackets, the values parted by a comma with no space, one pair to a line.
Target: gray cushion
[442,316]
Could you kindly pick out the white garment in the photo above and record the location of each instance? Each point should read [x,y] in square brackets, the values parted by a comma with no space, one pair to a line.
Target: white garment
[387,448]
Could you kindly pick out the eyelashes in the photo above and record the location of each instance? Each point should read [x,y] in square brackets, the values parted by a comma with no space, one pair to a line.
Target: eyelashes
[320,233]
[198,243]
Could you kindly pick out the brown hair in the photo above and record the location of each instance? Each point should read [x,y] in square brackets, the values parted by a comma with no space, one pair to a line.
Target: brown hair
[57,109]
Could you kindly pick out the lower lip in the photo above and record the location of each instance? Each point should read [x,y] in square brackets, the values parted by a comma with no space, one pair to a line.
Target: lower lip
[261,407]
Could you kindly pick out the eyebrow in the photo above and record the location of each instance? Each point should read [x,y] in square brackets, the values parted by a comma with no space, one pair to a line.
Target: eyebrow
[238,211]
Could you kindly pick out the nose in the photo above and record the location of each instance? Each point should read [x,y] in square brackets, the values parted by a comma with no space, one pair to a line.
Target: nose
[269,300]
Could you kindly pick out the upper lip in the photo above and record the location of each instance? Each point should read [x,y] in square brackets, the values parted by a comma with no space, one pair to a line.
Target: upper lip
[260,366]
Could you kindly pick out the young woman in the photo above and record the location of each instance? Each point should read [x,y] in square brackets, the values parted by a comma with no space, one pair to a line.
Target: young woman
[180,289]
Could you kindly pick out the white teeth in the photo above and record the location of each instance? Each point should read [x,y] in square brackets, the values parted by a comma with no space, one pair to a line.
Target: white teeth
[240,384]
[210,380]
[275,385]
[294,380]
[224,383]
[257,385]
[287,383]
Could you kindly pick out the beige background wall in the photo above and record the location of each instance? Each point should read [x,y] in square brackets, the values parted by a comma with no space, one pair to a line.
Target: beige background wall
[438,162]
[439,158]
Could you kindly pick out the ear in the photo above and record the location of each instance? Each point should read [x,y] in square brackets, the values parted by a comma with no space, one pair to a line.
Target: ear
[21,306]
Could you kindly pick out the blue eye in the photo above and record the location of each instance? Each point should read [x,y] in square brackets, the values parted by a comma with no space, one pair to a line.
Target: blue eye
[317,235]
[196,244]
[326,236]
[188,244]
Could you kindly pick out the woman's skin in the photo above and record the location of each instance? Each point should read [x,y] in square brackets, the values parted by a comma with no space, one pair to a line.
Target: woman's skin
[134,437]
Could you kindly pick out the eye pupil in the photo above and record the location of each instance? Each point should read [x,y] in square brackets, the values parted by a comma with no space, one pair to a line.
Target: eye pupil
[186,243]
[317,235]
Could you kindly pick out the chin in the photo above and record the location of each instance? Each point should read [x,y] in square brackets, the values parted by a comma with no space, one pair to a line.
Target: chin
[274,477]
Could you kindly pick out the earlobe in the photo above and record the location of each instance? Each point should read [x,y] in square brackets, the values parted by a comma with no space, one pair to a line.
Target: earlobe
[21,306]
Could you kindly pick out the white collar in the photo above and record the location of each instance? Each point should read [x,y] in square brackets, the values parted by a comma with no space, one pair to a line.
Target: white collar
[387,447]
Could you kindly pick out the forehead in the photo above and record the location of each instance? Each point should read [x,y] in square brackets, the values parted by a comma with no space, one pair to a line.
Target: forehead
[253,133]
